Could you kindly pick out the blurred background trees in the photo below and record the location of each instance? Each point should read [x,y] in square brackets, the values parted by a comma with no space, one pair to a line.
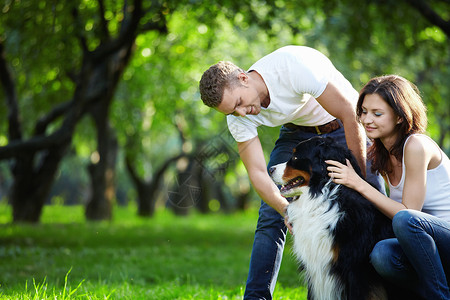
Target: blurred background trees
[101,102]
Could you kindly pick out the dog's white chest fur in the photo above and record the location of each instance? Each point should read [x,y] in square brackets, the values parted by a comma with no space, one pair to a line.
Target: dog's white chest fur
[313,220]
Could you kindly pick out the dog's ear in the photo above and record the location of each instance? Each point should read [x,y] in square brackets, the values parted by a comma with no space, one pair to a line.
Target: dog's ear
[322,149]
[340,153]
[318,166]
[354,163]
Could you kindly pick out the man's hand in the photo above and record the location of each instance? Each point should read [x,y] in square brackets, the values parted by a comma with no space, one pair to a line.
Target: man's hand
[288,224]
[286,220]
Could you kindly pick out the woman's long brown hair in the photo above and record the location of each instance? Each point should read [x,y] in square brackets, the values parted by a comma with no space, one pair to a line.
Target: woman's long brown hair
[404,98]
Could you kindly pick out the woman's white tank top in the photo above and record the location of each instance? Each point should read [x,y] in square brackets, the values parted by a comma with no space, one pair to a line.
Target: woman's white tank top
[437,197]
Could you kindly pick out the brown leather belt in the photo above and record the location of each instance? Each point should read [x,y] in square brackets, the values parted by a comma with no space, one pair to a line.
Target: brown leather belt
[322,129]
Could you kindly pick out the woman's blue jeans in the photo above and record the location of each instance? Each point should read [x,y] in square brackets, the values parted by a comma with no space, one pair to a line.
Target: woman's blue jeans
[418,258]
[270,232]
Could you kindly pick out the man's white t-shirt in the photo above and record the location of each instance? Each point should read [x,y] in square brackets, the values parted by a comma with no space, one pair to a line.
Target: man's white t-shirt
[294,76]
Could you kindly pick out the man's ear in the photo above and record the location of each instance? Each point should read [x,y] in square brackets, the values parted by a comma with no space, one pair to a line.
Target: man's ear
[243,78]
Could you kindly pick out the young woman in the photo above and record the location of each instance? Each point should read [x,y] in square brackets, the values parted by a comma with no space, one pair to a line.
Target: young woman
[418,174]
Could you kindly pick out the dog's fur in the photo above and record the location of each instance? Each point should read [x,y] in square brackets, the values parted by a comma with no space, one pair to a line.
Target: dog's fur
[334,227]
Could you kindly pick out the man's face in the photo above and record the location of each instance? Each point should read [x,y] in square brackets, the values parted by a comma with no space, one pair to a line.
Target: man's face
[240,100]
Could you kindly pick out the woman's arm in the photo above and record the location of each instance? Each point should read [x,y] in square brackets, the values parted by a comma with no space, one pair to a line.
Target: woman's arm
[418,153]
[417,157]
[346,175]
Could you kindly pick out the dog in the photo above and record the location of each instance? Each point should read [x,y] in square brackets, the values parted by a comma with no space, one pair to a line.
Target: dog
[334,228]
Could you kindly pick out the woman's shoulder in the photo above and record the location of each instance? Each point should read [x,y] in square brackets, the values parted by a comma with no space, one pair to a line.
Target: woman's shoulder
[418,143]
[420,146]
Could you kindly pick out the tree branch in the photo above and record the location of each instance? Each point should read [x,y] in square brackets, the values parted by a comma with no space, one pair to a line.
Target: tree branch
[126,36]
[56,112]
[76,109]
[15,127]
[83,42]
[34,144]
[431,15]
[156,176]
[161,27]
[103,22]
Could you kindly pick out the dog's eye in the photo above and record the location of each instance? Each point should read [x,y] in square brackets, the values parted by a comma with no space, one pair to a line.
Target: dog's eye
[294,158]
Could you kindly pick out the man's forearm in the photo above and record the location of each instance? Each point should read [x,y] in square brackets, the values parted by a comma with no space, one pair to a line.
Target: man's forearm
[269,192]
[354,134]
[253,158]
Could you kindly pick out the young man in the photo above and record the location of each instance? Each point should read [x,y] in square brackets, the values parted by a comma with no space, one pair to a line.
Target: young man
[297,87]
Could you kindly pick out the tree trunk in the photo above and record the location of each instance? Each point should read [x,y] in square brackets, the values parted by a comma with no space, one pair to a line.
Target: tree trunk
[242,200]
[35,161]
[186,190]
[102,169]
[31,187]
[102,173]
[147,189]
[205,196]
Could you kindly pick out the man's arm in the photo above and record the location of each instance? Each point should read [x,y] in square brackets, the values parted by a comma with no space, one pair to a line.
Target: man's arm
[253,158]
[335,103]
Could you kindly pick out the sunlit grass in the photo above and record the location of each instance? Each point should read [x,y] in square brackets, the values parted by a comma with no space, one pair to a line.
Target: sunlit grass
[164,257]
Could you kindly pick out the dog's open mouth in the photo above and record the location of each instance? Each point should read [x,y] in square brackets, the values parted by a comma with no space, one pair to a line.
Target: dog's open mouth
[293,183]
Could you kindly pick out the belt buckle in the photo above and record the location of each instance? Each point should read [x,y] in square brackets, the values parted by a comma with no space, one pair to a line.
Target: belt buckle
[318,130]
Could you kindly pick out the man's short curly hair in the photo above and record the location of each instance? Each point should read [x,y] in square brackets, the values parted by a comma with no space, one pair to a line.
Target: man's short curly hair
[216,79]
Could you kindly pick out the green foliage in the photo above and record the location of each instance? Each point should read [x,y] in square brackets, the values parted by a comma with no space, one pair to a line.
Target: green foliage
[361,43]
[197,257]
[42,50]
[158,95]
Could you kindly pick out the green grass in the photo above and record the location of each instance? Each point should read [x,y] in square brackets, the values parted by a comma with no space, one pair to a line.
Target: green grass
[165,257]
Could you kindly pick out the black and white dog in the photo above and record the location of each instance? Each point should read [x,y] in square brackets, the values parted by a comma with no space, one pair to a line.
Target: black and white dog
[334,227]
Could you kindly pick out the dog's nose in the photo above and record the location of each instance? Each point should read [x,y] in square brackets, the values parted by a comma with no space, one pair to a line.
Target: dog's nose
[271,170]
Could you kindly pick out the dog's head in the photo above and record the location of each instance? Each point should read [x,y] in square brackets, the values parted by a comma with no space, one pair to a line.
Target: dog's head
[307,168]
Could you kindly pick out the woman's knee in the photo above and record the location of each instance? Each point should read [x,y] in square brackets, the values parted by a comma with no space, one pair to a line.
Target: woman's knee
[382,256]
[401,217]
[378,254]
[404,222]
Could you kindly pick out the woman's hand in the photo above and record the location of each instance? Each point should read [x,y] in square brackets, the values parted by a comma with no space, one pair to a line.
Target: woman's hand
[343,174]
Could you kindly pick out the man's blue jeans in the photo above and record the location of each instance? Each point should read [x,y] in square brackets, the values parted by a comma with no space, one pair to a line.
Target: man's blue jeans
[270,232]
[418,258]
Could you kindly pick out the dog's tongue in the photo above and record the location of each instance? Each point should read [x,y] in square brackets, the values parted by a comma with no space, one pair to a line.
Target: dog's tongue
[291,184]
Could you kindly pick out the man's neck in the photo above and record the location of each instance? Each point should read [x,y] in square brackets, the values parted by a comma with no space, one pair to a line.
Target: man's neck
[261,87]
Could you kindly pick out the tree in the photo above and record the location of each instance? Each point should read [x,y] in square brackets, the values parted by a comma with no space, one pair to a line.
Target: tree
[426,9]
[103,59]
[147,189]
[85,50]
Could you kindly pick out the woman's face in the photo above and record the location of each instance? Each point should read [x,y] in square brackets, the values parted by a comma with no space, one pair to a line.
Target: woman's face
[378,118]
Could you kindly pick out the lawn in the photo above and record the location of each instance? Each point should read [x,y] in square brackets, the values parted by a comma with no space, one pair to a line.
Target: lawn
[164,257]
